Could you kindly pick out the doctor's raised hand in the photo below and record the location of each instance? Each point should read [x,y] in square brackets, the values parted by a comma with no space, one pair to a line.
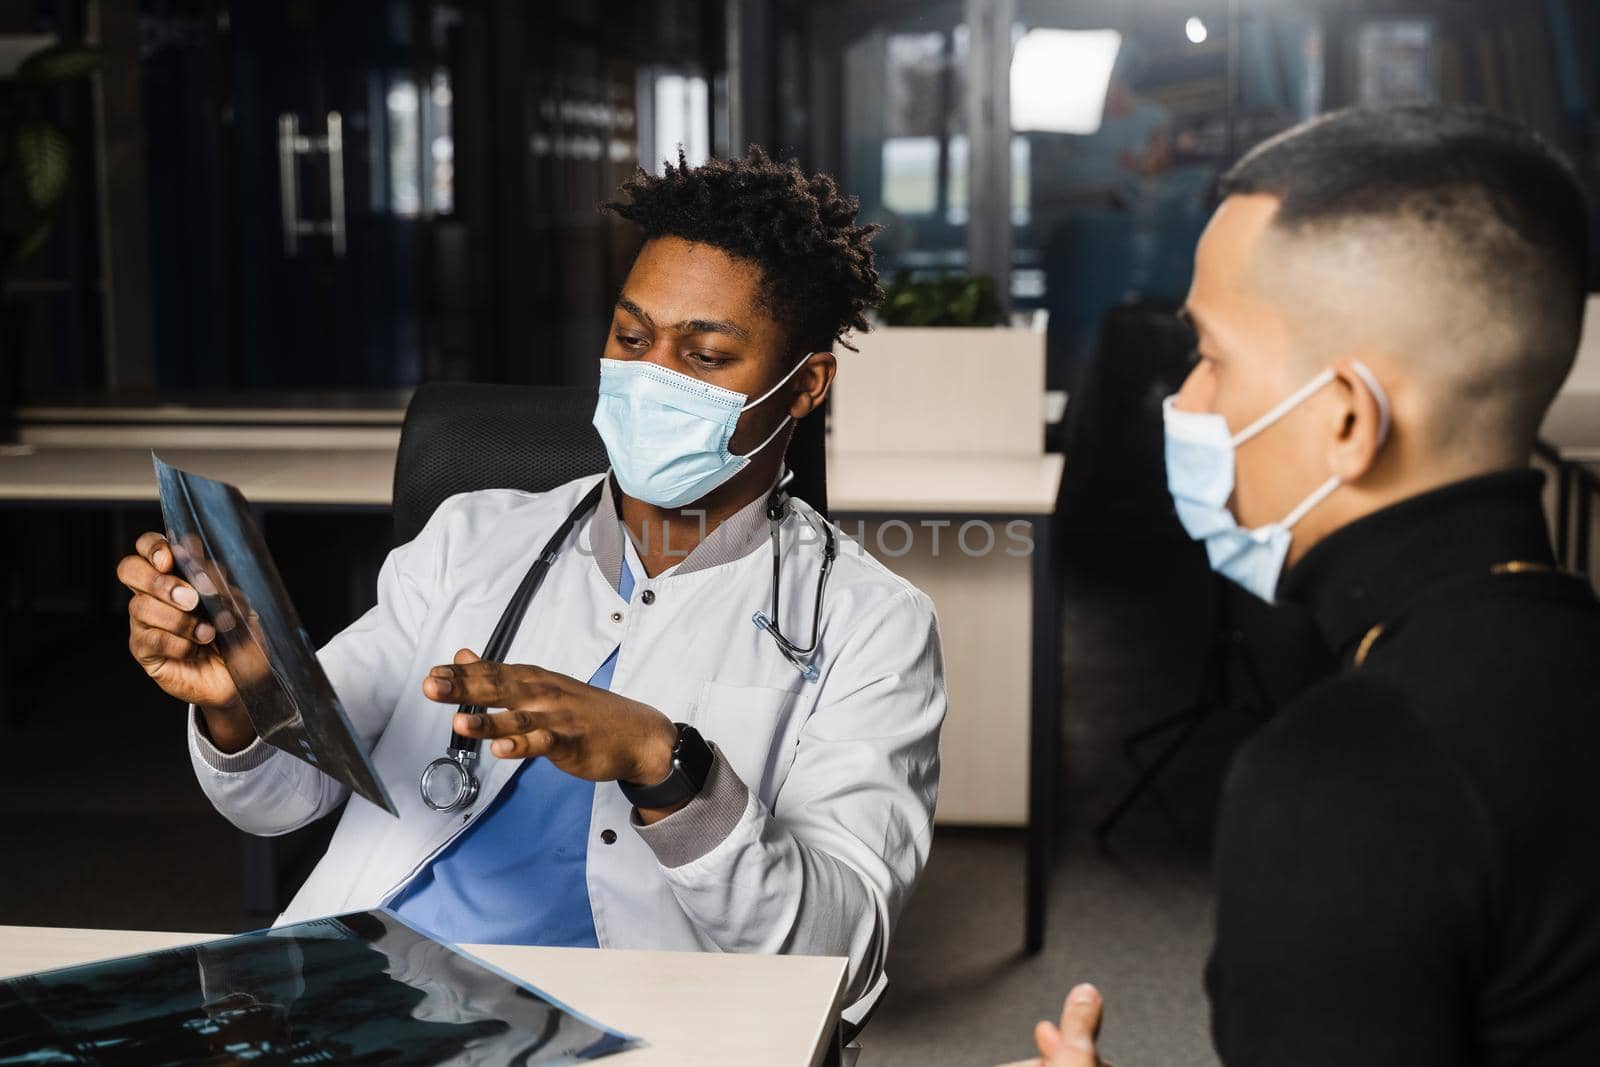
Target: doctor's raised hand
[173,641]
[589,733]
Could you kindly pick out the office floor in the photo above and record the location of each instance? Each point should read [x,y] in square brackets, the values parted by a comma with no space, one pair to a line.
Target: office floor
[141,848]
[1134,917]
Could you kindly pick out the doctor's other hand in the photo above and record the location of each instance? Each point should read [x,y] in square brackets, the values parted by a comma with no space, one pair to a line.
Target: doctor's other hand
[172,641]
[1072,1042]
[590,733]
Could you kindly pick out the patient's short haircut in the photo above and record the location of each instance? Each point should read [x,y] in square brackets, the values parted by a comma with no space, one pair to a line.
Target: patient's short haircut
[1497,214]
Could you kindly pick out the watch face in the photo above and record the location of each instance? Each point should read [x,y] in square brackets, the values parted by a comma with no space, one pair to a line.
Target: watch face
[693,756]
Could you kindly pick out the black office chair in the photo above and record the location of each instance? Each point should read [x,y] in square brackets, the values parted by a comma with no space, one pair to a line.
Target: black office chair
[462,436]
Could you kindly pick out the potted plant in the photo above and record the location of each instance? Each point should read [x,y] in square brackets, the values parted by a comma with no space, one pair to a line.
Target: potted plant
[941,372]
[947,300]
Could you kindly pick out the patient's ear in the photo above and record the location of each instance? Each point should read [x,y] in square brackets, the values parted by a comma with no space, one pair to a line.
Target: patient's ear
[1360,425]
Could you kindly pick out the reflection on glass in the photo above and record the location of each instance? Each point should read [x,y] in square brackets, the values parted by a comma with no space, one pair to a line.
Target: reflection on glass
[1060,79]
[441,145]
[1394,62]
[359,988]
[401,106]
[681,118]
[904,139]
[1129,115]
[911,175]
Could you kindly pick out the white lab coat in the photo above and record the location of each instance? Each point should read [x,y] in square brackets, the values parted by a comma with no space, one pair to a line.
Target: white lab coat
[842,772]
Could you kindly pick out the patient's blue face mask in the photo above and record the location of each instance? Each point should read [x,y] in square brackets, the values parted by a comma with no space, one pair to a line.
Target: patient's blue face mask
[667,433]
[1200,472]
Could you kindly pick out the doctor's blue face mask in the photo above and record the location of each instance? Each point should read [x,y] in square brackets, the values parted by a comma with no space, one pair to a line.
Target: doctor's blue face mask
[1200,476]
[667,433]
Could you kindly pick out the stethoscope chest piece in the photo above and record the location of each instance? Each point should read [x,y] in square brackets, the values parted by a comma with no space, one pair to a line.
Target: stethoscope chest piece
[449,783]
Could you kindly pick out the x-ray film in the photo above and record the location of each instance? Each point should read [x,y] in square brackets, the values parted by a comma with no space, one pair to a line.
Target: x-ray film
[361,988]
[291,703]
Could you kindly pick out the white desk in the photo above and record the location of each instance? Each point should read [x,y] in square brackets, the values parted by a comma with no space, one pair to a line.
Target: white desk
[1572,425]
[951,485]
[391,412]
[296,477]
[974,533]
[692,1008]
[1572,430]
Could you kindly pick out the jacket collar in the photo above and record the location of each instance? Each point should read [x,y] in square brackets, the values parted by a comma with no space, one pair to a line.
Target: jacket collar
[738,535]
[1373,569]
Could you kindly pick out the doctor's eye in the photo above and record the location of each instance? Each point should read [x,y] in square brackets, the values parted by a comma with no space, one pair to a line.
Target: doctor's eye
[708,360]
[630,341]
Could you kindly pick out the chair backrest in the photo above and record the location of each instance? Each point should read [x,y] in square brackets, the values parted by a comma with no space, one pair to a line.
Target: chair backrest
[462,436]
[1115,478]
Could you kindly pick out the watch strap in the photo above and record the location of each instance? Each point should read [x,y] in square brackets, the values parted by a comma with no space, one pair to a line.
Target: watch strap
[692,757]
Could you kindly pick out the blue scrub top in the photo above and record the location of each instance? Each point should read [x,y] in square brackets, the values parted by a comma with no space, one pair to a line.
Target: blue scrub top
[516,876]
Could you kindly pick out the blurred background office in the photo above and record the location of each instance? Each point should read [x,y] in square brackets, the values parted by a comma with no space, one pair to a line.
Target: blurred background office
[236,224]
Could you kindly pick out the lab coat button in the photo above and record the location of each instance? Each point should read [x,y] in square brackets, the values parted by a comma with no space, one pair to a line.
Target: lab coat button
[616,616]
[648,596]
[608,836]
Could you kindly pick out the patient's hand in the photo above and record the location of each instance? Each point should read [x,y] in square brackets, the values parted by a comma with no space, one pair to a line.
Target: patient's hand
[1071,1044]
[588,732]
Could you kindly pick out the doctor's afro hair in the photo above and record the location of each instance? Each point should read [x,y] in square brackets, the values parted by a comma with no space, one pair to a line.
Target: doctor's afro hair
[818,278]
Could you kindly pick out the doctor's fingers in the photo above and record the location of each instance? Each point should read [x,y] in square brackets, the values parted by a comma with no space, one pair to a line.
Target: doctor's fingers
[153,547]
[146,610]
[141,576]
[529,745]
[151,645]
[491,685]
[518,732]
[509,723]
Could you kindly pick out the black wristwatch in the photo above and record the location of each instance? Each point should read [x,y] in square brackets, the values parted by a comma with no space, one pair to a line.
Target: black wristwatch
[691,764]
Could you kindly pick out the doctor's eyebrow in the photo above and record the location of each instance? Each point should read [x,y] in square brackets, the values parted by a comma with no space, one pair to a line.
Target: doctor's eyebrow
[721,326]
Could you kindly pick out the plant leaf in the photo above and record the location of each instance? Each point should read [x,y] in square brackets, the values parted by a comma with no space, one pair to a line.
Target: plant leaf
[45,156]
[37,237]
[59,63]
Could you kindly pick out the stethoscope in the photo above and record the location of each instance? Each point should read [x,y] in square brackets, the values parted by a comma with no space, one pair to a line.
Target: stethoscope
[450,782]
[802,658]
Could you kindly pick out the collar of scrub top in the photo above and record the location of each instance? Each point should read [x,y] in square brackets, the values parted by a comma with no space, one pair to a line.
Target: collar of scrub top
[739,535]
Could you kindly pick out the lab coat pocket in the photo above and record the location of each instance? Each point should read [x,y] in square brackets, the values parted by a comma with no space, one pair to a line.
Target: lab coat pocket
[751,725]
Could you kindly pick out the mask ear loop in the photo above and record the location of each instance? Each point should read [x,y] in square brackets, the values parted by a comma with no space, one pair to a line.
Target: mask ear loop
[787,419]
[792,372]
[1283,407]
[1369,379]
[1379,394]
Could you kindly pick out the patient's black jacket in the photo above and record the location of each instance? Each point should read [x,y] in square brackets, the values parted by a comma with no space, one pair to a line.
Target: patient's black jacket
[1408,856]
